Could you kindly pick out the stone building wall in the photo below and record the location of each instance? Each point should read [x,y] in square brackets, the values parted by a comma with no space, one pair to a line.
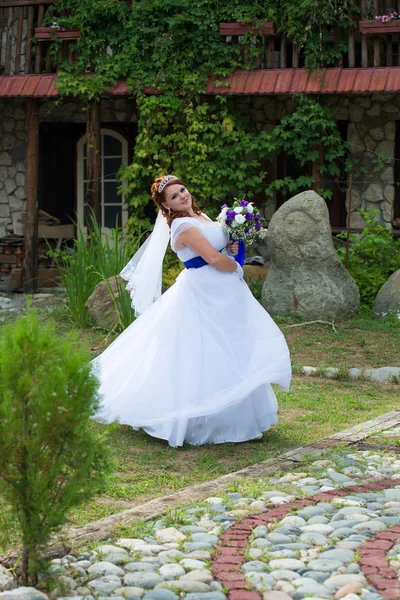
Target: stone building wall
[12,161]
[371,131]
[13,144]
[372,127]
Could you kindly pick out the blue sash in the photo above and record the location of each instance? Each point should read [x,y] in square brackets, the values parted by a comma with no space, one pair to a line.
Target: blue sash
[197,261]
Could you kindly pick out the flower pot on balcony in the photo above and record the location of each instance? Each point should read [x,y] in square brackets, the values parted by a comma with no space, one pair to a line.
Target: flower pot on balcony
[49,33]
[377,28]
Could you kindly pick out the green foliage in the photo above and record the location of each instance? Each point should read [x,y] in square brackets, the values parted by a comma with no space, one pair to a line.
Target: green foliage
[94,258]
[297,135]
[373,256]
[173,47]
[310,23]
[202,142]
[50,457]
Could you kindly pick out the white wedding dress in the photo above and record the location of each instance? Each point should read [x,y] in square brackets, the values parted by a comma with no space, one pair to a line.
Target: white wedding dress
[197,366]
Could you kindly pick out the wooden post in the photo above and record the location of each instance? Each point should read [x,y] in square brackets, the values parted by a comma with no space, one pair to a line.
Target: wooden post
[377,39]
[93,160]
[270,55]
[319,182]
[9,39]
[31,186]
[364,41]
[348,223]
[283,52]
[19,40]
[351,44]
[295,57]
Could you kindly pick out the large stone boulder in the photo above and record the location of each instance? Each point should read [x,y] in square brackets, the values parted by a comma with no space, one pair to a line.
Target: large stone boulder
[387,301]
[101,304]
[306,276]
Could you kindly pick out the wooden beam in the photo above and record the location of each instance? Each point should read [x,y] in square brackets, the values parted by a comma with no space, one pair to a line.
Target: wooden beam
[31,186]
[29,36]
[26,2]
[364,41]
[19,40]
[9,38]
[319,180]
[38,56]
[93,159]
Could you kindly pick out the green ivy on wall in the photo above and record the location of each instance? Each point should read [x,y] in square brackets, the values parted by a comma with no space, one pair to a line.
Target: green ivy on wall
[166,50]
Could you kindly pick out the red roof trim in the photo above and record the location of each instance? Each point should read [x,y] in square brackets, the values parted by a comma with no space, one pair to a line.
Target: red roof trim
[240,82]
[291,81]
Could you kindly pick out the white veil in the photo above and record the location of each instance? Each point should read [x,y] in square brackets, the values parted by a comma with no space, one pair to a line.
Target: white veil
[144,271]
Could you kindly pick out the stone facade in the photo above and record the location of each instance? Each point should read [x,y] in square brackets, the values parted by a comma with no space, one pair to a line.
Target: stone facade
[13,144]
[12,162]
[371,130]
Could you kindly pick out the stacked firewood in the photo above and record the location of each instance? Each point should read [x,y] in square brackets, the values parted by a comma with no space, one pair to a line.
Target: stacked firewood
[11,253]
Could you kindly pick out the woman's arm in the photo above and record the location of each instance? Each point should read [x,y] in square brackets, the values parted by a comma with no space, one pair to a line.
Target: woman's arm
[195,240]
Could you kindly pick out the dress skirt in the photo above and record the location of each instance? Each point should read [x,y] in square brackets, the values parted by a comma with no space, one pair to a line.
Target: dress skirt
[198,365]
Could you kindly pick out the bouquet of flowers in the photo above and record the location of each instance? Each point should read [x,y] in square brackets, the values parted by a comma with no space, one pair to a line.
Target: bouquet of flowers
[242,221]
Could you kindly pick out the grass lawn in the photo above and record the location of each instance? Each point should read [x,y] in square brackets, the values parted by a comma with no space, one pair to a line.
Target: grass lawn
[146,467]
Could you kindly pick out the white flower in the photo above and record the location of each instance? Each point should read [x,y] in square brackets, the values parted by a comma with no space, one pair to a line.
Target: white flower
[238,209]
[234,224]
[240,219]
[249,208]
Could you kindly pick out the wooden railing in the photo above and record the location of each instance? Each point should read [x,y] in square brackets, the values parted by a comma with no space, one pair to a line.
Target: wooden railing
[19,52]
[368,44]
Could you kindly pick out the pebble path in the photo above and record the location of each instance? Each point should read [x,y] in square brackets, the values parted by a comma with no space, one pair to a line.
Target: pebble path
[331,531]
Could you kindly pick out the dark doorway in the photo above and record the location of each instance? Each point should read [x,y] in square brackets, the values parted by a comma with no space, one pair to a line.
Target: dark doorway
[57,166]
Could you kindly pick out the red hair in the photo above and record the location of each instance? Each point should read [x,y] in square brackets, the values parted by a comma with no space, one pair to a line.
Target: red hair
[160,198]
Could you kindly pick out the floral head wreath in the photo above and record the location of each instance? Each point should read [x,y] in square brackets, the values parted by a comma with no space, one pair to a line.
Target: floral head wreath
[164,182]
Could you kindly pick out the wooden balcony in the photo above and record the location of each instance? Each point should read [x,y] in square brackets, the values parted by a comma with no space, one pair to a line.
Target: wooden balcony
[21,52]
[25,41]
[368,44]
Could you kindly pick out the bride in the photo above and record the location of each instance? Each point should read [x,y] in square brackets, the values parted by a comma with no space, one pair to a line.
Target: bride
[197,366]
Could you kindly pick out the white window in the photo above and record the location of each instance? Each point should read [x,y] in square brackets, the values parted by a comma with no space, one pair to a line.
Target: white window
[114,153]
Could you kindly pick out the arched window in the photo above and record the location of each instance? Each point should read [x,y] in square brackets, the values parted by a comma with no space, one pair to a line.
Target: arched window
[114,153]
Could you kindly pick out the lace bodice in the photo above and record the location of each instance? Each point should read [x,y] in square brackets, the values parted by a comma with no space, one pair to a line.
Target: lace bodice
[212,231]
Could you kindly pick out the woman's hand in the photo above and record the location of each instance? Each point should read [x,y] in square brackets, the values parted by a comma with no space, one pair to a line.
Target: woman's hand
[233,247]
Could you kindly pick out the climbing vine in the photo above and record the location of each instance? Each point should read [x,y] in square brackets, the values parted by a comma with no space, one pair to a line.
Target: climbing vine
[166,50]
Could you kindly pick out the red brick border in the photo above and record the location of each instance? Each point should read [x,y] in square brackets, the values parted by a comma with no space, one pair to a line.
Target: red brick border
[230,551]
[376,567]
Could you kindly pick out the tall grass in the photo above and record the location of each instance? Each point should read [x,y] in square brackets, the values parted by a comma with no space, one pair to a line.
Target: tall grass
[93,258]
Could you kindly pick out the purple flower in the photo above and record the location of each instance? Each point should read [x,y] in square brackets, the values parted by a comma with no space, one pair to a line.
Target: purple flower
[246,230]
[230,215]
[258,226]
[243,203]
[249,216]
[224,206]
[257,217]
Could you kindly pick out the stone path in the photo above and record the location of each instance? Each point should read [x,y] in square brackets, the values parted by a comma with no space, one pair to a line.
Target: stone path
[48,298]
[328,530]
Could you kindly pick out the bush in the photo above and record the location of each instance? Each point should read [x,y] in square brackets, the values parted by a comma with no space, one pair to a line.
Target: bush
[373,256]
[51,459]
[94,258]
